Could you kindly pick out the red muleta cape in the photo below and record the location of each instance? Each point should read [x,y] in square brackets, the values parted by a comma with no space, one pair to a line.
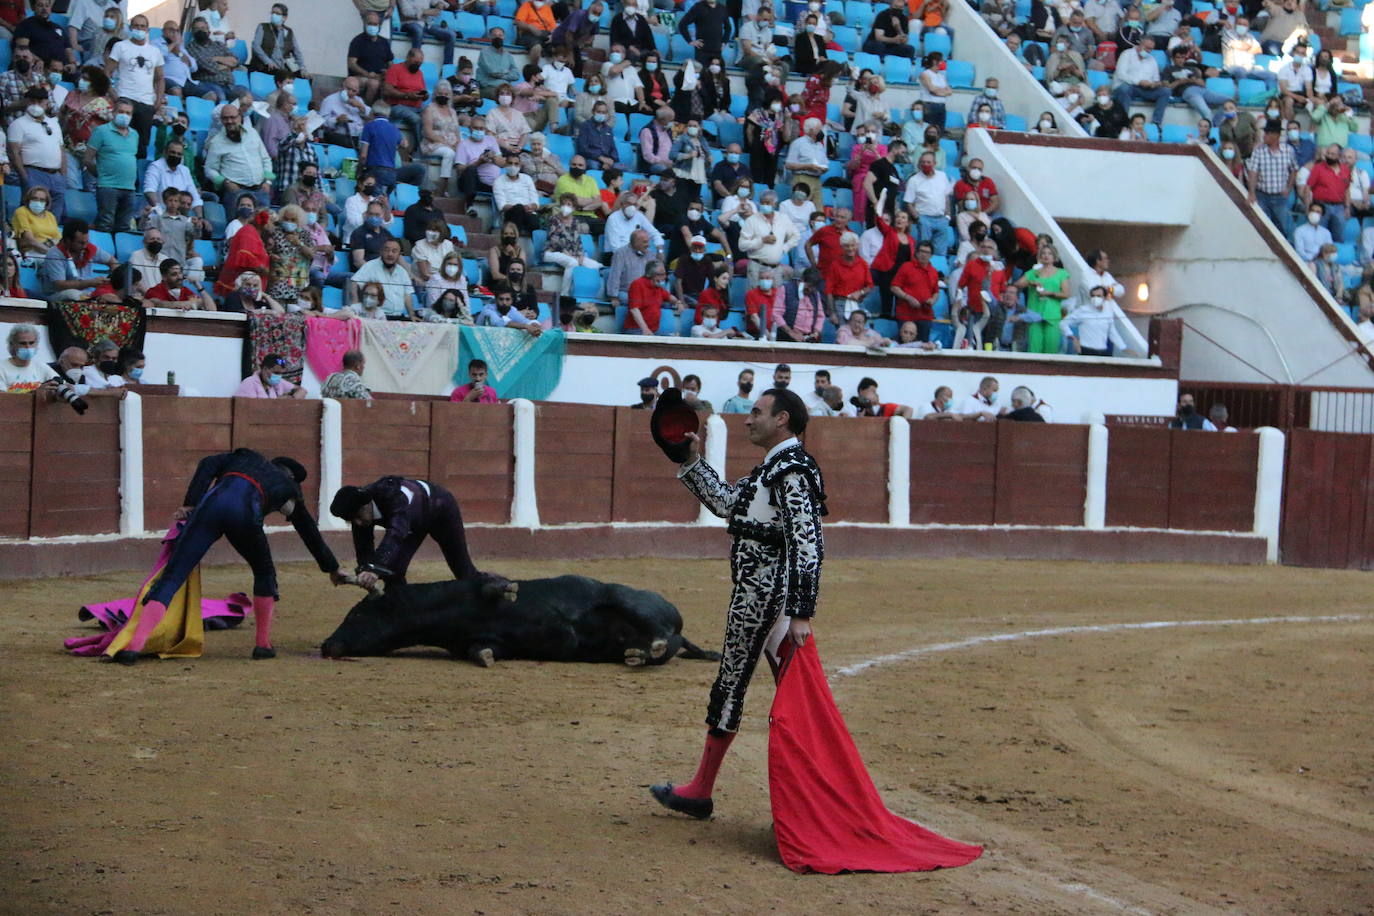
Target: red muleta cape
[827,814]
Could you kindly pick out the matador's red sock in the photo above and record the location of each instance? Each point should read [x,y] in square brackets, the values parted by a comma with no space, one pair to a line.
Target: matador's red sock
[717,743]
[149,616]
[263,610]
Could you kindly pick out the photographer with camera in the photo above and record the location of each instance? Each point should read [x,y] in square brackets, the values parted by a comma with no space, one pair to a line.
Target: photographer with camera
[867,403]
[70,366]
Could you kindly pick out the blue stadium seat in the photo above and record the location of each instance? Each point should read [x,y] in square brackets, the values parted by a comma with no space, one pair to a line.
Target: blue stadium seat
[960,74]
[430,71]
[216,217]
[199,112]
[679,49]
[561,146]
[1352,228]
[472,271]
[731,132]
[1098,78]
[102,240]
[1152,132]
[625,153]
[28,279]
[126,243]
[937,42]
[739,105]
[637,122]
[1016,122]
[80,205]
[303,92]
[859,14]
[667,324]
[865,61]
[1362,143]
[588,285]
[240,50]
[839,56]
[1211,58]
[886,327]
[404,195]
[1345,253]
[954,120]
[5,52]
[1223,85]
[506,9]
[472,26]
[332,298]
[261,85]
[661,45]
[1177,133]
[734,320]
[943,332]
[1253,92]
[208,251]
[737,290]
[458,234]
[846,37]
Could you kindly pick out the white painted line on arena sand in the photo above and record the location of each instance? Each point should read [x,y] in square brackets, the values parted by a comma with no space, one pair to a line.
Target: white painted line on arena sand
[859,667]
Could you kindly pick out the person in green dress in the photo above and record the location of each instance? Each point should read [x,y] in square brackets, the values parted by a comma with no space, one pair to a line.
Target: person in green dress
[1047,286]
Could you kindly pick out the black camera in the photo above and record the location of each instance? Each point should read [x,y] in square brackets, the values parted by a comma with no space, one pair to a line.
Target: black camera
[67,392]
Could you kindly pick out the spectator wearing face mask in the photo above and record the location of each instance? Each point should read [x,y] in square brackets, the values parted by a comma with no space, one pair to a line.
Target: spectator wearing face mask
[275,49]
[428,253]
[696,224]
[1309,239]
[766,237]
[867,150]
[726,175]
[1047,288]
[174,292]
[268,381]
[927,200]
[1238,128]
[1270,173]
[249,296]
[1329,273]
[1138,79]
[970,214]
[974,181]
[915,289]
[515,198]
[448,280]
[1091,327]
[1295,82]
[1332,122]
[997,112]
[933,88]
[1239,48]
[756,47]
[389,270]
[978,292]
[1109,116]
[1328,184]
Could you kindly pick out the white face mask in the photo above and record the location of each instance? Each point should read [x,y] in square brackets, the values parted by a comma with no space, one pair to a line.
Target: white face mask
[432,237]
[450,270]
[975,174]
[566,209]
[503,100]
[714,68]
[694,215]
[1314,218]
[1046,125]
[1097,301]
[708,323]
[370,301]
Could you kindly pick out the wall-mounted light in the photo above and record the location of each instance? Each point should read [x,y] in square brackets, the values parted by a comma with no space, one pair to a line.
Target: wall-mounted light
[1142,292]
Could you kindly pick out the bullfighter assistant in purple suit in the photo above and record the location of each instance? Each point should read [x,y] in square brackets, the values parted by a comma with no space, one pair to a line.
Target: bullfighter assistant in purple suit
[410,511]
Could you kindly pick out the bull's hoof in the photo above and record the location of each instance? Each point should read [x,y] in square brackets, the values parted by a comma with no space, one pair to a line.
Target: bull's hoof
[699,808]
[486,658]
[126,657]
[658,648]
[262,652]
[636,657]
[511,593]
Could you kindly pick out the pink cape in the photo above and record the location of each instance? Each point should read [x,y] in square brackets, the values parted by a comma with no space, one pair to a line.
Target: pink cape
[326,342]
[112,615]
[827,814]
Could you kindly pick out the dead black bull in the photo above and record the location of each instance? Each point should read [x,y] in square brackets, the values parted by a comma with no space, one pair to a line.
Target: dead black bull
[563,619]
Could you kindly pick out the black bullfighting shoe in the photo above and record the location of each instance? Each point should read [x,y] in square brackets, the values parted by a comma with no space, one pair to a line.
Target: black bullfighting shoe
[126,657]
[262,652]
[699,808]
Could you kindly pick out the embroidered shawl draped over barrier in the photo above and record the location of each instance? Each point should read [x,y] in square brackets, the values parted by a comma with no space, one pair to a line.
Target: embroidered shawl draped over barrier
[327,340]
[80,324]
[409,357]
[827,814]
[283,335]
[518,365]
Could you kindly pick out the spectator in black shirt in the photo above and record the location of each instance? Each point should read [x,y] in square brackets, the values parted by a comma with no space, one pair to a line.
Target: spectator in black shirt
[366,241]
[726,173]
[369,56]
[419,215]
[47,40]
[1110,117]
[694,224]
[669,207]
[889,34]
[713,28]
[524,295]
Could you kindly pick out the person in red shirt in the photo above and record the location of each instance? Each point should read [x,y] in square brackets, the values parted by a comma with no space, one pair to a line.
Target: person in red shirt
[403,88]
[847,279]
[982,282]
[717,294]
[1328,182]
[824,244]
[647,296]
[915,289]
[760,302]
[171,294]
[975,180]
[899,248]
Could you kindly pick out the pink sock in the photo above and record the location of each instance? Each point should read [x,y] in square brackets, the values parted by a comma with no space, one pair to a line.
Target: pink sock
[717,743]
[263,609]
[148,619]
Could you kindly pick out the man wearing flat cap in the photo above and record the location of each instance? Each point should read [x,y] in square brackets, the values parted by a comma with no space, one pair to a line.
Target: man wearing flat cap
[648,394]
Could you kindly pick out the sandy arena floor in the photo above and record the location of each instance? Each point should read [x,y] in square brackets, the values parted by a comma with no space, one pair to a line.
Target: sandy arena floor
[1192,770]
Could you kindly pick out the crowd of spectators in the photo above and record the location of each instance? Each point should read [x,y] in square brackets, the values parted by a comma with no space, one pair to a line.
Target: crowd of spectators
[1289,145]
[654,192]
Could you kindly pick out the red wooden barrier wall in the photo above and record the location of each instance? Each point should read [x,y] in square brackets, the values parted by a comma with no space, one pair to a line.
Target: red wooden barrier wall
[1185,479]
[16,463]
[177,433]
[574,448]
[645,487]
[282,427]
[953,473]
[472,453]
[1328,501]
[385,437]
[853,458]
[1042,473]
[77,488]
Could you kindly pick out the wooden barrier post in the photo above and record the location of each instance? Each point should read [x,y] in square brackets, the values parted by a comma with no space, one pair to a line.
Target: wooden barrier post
[1269,488]
[524,504]
[331,462]
[1095,494]
[131,464]
[898,471]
